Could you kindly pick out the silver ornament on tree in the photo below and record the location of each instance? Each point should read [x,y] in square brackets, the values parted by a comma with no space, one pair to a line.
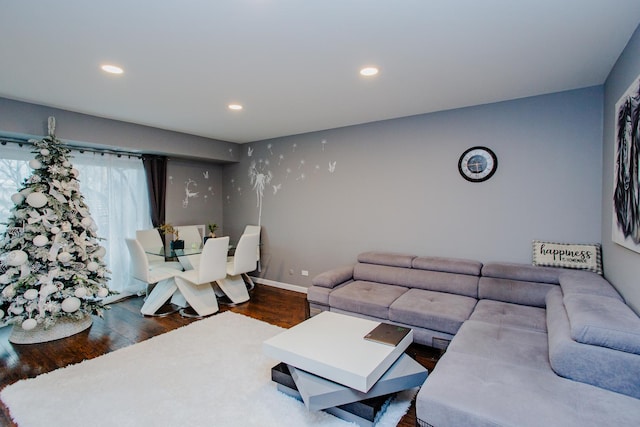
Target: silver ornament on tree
[16,258]
[40,240]
[37,199]
[17,198]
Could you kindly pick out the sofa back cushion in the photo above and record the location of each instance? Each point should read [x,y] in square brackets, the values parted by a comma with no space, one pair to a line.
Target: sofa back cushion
[514,291]
[523,272]
[386,258]
[460,284]
[517,283]
[447,265]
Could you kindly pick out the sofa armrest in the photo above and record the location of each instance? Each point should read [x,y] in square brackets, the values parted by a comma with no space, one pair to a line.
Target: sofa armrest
[592,364]
[332,278]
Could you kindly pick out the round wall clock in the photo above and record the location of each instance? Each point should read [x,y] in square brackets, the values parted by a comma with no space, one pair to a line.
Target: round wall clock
[477,164]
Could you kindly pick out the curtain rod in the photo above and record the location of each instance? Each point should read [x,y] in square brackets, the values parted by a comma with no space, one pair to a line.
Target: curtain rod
[102,151]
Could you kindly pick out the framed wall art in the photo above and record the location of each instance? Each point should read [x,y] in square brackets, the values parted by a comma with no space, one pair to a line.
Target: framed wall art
[626,180]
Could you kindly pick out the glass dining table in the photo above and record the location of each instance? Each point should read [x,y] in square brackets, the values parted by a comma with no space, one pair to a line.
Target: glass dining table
[171,254]
[186,256]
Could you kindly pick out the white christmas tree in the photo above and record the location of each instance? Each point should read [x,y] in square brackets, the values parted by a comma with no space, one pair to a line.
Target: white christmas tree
[51,262]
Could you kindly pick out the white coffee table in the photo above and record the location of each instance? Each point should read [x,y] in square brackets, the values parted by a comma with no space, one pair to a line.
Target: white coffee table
[332,346]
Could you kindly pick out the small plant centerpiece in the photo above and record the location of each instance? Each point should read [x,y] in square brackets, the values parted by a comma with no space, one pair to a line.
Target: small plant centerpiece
[168,229]
[212,230]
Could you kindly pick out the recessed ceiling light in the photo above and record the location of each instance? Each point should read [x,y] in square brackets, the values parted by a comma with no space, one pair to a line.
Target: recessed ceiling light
[235,107]
[369,71]
[112,69]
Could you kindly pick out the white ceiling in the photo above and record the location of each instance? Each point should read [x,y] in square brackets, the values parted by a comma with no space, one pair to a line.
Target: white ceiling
[294,64]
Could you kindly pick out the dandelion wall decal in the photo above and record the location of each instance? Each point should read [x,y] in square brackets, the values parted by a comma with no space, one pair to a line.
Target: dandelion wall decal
[249,151]
[276,188]
[332,166]
[269,148]
[188,193]
[324,142]
[280,158]
[259,180]
[205,174]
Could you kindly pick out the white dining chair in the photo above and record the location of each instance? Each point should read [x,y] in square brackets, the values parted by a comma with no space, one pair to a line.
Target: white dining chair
[196,285]
[161,277]
[192,240]
[151,241]
[255,229]
[191,236]
[243,261]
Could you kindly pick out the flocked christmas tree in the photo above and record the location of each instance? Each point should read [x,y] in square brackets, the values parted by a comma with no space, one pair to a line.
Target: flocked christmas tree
[51,262]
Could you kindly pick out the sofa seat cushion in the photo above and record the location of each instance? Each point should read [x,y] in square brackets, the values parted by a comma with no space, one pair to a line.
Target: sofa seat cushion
[512,315]
[467,390]
[592,364]
[370,298]
[438,311]
[522,347]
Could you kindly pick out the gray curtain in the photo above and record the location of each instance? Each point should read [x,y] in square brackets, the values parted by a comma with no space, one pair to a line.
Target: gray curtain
[155,168]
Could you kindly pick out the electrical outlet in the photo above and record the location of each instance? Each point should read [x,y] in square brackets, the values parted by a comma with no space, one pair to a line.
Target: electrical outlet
[304,272]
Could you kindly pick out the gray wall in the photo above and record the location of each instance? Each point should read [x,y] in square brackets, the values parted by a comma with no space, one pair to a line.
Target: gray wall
[622,265]
[23,118]
[194,193]
[396,186]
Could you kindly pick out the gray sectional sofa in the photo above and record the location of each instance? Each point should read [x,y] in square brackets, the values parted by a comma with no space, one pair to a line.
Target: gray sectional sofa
[525,345]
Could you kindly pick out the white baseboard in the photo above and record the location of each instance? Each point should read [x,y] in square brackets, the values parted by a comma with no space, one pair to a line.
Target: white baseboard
[281,285]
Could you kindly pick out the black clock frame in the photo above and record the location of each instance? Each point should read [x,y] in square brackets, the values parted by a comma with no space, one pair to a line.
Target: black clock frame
[490,153]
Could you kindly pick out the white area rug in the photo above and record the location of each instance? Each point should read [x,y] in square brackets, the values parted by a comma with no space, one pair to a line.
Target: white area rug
[209,373]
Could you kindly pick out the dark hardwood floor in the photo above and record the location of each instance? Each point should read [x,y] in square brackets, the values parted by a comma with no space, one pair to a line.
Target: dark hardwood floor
[123,325]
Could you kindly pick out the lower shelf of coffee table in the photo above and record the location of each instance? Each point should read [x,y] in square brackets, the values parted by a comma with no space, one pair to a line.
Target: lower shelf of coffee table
[364,413]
